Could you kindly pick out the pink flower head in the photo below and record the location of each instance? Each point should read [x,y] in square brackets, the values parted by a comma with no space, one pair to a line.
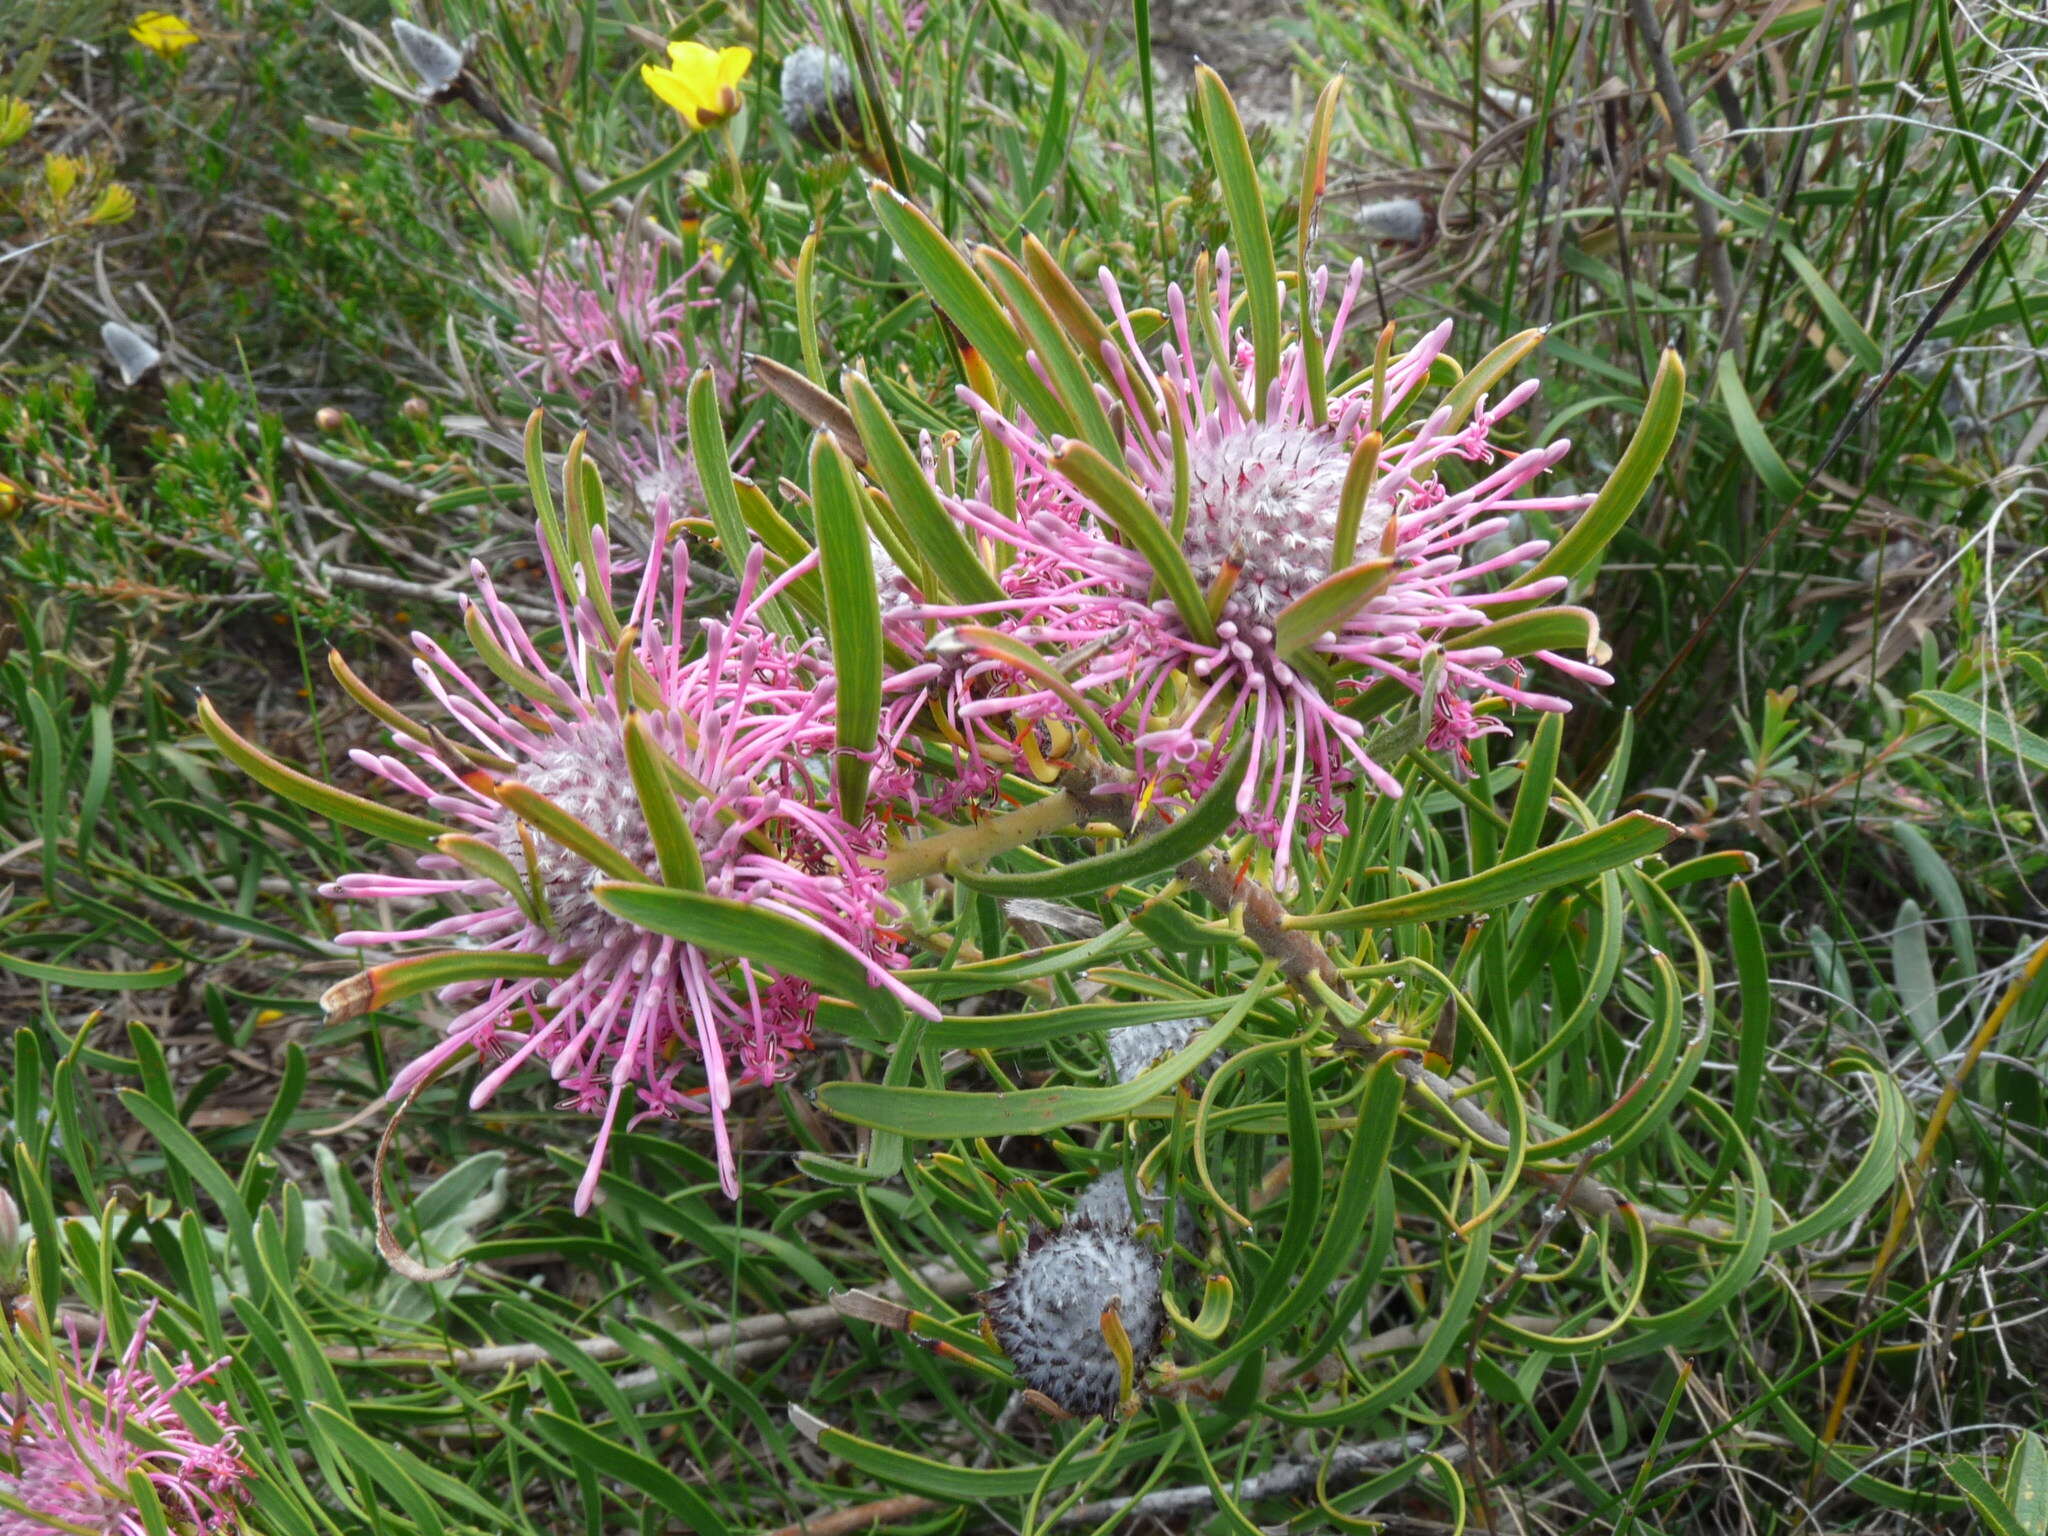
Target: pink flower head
[1264,490]
[606,329]
[745,717]
[68,1455]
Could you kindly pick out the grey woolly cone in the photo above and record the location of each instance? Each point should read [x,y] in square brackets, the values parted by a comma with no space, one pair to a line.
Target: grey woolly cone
[1047,1315]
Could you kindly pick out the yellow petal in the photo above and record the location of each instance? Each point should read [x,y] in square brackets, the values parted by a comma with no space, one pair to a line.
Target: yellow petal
[665,84]
[163,33]
[733,64]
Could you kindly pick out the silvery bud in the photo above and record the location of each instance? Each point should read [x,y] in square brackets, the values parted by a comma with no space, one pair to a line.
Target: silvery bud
[134,354]
[1398,218]
[429,55]
[1137,1047]
[819,104]
[1049,1315]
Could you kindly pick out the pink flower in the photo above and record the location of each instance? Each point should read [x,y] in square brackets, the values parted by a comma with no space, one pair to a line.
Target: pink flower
[1263,497]
[746,718]
[608,331]
[69,1454]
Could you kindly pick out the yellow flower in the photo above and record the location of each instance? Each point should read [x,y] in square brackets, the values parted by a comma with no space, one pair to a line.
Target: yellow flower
[699,82]
[61,174]
[116,204]
[163,34]
[15,117]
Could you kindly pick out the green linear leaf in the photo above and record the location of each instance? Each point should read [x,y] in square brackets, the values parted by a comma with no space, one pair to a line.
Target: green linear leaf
[1124,505]
[1634,836]
[936,1114]
[1185,839]
[1876,1171]
[965,300]
[1328,605]
[1238,179]
[530,805]
[628,1466]
[1625,488]
[1755,443]
[972,1485]
[337,805]
[895,468]
[163,975]
[649,766]
[1996,727]
[745,931]
[853,618]
[1856,341]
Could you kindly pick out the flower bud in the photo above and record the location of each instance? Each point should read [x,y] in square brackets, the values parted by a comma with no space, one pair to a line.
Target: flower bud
[428,54]
[330,418]
[1049,1315]
[1398,218]
[819,104]
[134,354]
[415,409]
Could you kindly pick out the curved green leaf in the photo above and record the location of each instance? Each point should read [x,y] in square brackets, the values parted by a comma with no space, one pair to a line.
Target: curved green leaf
[1185,839]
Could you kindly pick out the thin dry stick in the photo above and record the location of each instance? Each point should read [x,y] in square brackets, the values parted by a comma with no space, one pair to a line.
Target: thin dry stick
[1713,253]
[1344,1465]
[1907,1201]
[766,1327]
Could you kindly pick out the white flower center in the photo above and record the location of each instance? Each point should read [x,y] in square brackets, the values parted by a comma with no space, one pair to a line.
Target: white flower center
[1264,498]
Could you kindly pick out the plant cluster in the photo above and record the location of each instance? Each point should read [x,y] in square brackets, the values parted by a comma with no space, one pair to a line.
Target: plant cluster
[839,773]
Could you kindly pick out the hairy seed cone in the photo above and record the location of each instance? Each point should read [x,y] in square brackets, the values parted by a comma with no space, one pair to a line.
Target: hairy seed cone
[1047,1314]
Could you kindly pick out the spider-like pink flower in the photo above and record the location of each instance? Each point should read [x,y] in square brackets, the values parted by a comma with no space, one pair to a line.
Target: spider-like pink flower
[69,1454]
[1263,495]
[607,330]
[744,718]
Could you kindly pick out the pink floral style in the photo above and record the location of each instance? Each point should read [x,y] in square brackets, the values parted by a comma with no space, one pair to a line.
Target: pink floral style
[1264,495]
[747,716]
[69,1455]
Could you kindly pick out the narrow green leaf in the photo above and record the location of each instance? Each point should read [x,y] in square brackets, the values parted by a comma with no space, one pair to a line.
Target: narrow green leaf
[1125,505]
[965,300]
[896,470]
[167,974]
[530,806]
[396,980]
[1749,431]
[972,1485]
[1999,1518]
[853,614]
[1185,839]
[1855,340]
[383,1465]
[1071,374]
[748,932]
[1875,1172]
[1328,605]
[935,1114]
[1237,178]
[1998,728]
[1532,797]
[681,864]
[613,1460]
[1635,836]
[487,862]
[1625,488]
[336,805]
